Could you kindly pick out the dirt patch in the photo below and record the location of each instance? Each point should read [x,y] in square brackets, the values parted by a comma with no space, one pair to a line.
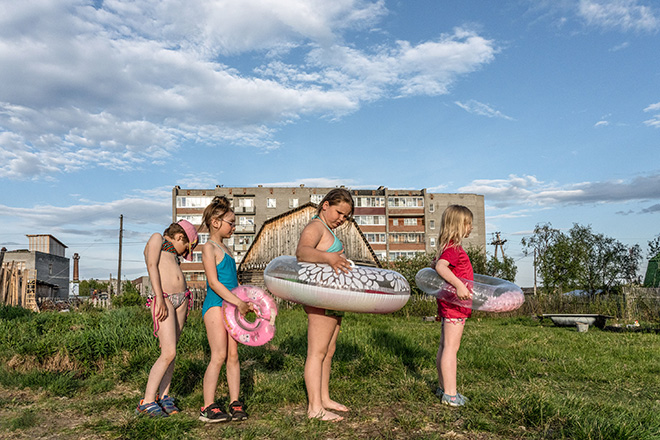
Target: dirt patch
[58,363]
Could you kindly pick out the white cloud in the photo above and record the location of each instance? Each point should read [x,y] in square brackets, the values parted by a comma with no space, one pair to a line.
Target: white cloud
[529,190]
[619,47]
[481,109]
[653,107]
[327,182]
[134,81]
[626,15]
[653,122]
[91,215]
[601,124]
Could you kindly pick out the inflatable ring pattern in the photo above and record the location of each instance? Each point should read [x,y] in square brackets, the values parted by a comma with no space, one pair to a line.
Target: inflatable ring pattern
[363,289]
[489,294]
[262,329]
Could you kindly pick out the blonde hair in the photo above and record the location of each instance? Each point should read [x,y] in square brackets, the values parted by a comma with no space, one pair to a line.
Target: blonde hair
[218,207]
[335,197]
[454,222]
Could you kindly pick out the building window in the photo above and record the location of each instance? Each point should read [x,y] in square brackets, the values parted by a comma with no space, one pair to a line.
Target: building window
[192,202]
[370,219]
[432,242]
[370,202]
[245,205]
[431,207]
[432,224]
[245,220]
[271,203]
[244,240]
[403,254]
[50,269]
[410,222]
[405,202]
[316,198]
[197,257]
[203,237]
[293,203]
[406,238]
[194,219]
[375,238]
[395,222]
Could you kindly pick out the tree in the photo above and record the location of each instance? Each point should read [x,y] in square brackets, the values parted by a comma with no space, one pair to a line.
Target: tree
[581,259]
[654,246]
[478,258]
[409,266]
[505,269]
[130,296]
[484,264]
[87,287]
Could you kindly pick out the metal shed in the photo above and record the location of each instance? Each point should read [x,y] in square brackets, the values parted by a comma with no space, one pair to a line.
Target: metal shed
[279,236]
[652,278]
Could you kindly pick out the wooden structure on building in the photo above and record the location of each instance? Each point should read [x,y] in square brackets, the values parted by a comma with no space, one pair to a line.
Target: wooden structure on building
[18,287]
[279,236]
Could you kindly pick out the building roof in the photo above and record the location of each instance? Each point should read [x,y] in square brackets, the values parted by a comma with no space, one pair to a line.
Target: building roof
[46,235]
[283,231]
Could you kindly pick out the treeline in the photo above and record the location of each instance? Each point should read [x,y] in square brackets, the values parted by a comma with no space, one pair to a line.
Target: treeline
[581,259]
[578,259]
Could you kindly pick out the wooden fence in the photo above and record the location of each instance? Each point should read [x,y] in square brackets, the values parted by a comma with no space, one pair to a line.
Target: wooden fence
[18,287]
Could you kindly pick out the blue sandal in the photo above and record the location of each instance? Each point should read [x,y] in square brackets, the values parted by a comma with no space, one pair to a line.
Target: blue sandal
[151,409]
[167,404]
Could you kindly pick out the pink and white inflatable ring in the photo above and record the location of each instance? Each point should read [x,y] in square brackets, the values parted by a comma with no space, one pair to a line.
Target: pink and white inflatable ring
[262,329]
[489,294]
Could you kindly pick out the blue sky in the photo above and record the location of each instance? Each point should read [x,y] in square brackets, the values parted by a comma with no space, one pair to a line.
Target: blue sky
[550,109]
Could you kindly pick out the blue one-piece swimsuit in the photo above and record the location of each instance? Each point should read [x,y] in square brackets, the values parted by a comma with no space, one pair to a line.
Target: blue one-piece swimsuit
[226,270]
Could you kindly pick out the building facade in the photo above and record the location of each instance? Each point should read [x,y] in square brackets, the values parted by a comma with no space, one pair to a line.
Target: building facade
[45,257]
[396,223]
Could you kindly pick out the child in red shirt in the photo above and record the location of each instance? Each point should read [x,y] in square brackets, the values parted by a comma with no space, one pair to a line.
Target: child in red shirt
[452,263]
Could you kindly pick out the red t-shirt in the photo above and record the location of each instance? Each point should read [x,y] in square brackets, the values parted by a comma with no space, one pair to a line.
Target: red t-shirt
[460,265]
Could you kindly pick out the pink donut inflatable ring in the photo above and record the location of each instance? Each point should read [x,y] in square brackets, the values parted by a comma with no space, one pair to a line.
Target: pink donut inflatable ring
[362,290]
[262,329]
[489,294]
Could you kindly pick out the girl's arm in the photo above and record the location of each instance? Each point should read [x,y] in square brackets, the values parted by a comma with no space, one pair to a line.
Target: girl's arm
[152,258]
[442,267]
[208,260]
[307,251]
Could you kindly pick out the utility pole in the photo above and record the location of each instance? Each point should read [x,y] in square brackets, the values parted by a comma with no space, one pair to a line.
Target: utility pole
[499,243]
[534,271]
[121,232]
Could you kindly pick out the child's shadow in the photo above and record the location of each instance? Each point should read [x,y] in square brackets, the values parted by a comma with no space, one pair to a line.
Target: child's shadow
[411,357]
[188,373]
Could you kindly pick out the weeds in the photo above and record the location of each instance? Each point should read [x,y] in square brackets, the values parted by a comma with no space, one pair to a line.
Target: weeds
[526,379]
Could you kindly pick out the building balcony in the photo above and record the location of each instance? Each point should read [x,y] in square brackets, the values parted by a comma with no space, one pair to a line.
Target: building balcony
[406,211]
[241,247]
[244,210]
[245,228]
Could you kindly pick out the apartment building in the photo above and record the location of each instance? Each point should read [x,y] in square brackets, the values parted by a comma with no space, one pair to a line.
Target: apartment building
[396,222]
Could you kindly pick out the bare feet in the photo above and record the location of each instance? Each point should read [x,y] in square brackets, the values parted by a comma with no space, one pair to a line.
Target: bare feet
[326,416]
[335,406]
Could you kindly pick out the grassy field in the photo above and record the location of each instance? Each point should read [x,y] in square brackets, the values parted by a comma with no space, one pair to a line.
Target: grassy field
[80,374]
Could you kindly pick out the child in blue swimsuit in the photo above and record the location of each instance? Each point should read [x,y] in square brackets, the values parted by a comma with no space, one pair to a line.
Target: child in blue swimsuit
[319,244]
[220,270]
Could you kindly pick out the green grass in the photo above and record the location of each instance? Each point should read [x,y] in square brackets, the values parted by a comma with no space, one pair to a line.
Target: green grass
[74,375]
